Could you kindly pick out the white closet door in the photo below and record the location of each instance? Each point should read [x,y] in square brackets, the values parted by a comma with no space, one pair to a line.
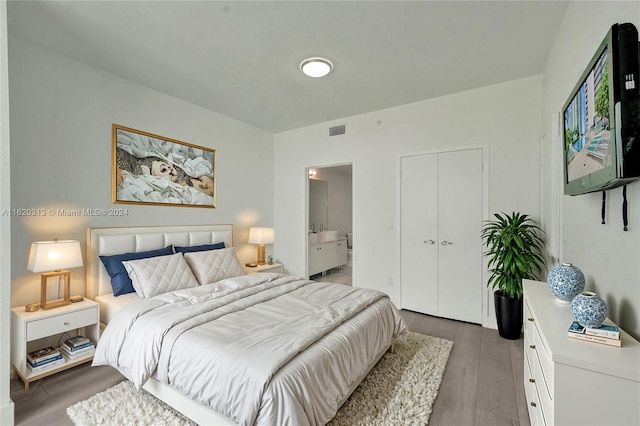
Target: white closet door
[441,202]
[419,218]
[460,244]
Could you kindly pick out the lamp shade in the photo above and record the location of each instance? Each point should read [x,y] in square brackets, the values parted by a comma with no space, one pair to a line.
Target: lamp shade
[261,235]
[48,256]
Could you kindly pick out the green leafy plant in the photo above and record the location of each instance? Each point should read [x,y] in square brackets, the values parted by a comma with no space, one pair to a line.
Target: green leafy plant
[602,95]
[515,247]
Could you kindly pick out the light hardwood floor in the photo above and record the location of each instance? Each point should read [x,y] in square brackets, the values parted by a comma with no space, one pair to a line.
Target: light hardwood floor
[482,384]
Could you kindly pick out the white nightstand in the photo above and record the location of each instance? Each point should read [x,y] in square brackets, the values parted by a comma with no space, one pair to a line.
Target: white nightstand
[276,267]
[29,326]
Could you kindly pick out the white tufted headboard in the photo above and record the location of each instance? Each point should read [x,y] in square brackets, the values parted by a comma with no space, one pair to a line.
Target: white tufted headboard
[108,241]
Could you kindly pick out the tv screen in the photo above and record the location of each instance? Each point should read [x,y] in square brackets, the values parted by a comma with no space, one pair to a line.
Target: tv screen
[587,123]
[601,119]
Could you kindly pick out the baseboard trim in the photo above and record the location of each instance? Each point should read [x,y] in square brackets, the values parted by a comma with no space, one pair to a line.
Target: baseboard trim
[7,414]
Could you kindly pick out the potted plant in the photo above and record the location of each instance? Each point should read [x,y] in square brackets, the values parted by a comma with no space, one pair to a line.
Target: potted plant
[515,245]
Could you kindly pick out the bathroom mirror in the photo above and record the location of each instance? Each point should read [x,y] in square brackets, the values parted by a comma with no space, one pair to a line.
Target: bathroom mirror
[318,203]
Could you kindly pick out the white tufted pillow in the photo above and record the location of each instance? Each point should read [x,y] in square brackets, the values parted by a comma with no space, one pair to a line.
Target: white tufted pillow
[160,274]
[214,265]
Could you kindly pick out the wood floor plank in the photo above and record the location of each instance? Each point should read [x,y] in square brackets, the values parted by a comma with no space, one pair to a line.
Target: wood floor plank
[417,323]
[456,400]
[466,346]
[61,390]
[496,389]
[517,369]
[484,418]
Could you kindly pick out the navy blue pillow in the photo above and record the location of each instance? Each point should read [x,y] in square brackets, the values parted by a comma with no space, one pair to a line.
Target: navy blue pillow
[120,281]
[203,247]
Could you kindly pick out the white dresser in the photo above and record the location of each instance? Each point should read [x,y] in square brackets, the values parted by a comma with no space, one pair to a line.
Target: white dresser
[571,382]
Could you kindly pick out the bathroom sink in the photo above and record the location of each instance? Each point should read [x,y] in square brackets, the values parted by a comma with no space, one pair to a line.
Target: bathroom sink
[314,238]
[326,236]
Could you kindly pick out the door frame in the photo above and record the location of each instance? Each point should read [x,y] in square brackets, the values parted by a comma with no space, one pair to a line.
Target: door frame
[354,209]
[487,317]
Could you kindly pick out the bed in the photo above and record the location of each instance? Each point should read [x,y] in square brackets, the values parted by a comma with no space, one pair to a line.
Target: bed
[247,349]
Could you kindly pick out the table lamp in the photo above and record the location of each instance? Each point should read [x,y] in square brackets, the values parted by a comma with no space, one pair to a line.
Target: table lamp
[52,258]
[261,236]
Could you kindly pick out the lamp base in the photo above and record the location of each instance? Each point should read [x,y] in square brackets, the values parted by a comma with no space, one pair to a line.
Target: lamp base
[261,260]
[52,305]
[43,290]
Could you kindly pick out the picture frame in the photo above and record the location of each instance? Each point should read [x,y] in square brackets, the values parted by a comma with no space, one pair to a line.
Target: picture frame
[149,169]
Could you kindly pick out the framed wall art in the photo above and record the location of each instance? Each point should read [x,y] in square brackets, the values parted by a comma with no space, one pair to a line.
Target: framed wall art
[155,170]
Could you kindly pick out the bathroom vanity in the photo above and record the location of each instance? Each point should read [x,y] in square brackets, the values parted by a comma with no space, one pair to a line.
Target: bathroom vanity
[327,255]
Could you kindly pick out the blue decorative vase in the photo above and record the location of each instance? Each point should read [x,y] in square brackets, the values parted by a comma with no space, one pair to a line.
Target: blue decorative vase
[588,309]
[565,282]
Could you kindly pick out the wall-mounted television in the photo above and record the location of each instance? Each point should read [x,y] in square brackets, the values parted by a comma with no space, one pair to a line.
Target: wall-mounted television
[601,118]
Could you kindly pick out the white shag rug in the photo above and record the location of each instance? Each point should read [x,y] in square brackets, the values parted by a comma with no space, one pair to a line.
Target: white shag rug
[399,390]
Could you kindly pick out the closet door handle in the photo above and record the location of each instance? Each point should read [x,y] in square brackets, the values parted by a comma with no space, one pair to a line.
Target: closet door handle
[430,242]
[446,243]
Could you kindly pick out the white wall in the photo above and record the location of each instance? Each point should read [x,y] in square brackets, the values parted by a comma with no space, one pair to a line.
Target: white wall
[61,117]
[6,405]
[504,117]
[606,254]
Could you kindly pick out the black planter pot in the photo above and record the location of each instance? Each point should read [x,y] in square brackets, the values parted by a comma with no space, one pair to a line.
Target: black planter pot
[508,315]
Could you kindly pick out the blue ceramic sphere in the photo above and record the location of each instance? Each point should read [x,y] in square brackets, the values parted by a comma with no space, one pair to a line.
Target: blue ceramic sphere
[565,282]
[588,309]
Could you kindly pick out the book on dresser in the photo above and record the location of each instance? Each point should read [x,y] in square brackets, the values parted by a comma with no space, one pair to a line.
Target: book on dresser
[607,329]
[606,334]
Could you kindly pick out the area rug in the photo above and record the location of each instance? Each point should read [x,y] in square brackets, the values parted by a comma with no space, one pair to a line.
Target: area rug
[400,390]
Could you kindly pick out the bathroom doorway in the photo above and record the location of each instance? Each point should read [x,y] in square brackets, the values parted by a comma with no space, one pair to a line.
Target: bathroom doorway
[330,236]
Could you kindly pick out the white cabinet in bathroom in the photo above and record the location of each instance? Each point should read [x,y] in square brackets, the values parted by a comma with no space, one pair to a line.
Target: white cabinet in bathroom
[324,256]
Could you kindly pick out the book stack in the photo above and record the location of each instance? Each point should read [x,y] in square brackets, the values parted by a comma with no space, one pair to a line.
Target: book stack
[78,347]
[44,358]
[607,334]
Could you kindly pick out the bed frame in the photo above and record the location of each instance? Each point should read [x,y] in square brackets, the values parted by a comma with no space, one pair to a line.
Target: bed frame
[108,241]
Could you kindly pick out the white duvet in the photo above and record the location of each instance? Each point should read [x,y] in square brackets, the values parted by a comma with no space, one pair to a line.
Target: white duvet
[258,349]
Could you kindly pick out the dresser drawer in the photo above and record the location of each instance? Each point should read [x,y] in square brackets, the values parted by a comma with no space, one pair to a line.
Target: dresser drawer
[542,391]
[529,379]
[529,326]
[545,366]
[60,323]
[529,343]
[536,415]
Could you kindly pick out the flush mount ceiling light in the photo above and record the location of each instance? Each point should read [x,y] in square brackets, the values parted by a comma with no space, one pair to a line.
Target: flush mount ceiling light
[316,67]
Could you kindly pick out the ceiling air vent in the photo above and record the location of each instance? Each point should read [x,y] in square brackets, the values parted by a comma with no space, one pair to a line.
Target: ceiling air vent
[337,130]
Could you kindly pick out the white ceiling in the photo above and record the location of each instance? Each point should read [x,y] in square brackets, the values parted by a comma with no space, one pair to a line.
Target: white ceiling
[240,58]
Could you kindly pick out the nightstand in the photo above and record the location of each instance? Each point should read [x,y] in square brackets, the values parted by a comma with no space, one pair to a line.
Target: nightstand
[29,326]
[276,267]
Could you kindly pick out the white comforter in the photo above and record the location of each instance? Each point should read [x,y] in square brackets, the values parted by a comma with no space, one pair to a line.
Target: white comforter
[261,348]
